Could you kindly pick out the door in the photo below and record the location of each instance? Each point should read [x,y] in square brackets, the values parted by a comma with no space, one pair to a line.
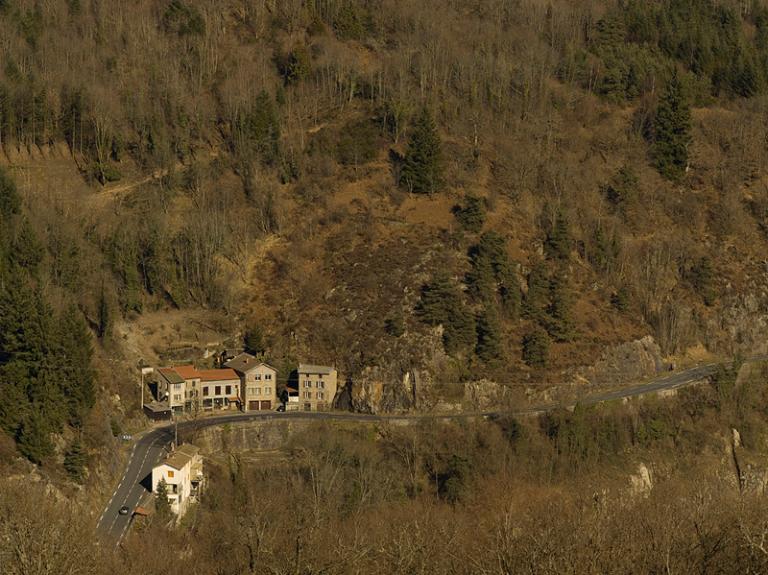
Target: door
[253,406]
[266,405]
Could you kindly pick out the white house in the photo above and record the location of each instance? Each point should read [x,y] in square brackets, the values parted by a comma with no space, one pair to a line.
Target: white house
[182,471]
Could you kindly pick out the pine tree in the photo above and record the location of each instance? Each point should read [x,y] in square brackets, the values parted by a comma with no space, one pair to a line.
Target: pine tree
[488,345]
[254,340]
[75,460]
[10,203]
[422,166]
[471,215]
[536,348]
[162,503]
[74,364]
[560,322]
[34,437]
[26,249]
[441,304]
[536,298]
[558,244]
[105,316]
[672,131]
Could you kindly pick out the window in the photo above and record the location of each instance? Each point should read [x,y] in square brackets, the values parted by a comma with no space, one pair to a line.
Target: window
[268,376]
[257,377]
[229,390]
[320,385]
[307,383]
[218,390]
[320,395]
[205,391]
[177,386]
[177,397]
[170,474]
[267,390]
[320,375]
[257,391]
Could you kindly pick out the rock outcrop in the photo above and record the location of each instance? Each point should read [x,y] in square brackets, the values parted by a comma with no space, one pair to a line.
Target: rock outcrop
[626,363]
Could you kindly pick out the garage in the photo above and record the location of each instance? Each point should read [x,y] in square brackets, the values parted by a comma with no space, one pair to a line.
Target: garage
[266,405]
[253,406]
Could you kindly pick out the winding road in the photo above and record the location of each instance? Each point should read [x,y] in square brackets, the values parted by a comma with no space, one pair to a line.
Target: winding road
[151,447]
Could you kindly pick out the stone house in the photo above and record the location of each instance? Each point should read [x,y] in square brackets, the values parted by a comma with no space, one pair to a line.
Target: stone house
[258,382]
[316,386]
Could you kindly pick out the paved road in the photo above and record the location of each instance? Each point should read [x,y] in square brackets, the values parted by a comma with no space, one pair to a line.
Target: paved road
[151,447]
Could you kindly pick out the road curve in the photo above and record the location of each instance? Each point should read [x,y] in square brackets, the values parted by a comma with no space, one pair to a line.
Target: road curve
[135,484]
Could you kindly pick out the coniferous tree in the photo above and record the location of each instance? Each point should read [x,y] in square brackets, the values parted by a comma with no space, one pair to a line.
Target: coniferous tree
[34,437]
[162,503]
[471,215]
[75,460]
[422,166]
[76,353]
[672,131]
[558,244]
[536,298]
[254,340]
[488,345]
[536,348]
[441,304]
[560,322]
[10,203]
[105,316]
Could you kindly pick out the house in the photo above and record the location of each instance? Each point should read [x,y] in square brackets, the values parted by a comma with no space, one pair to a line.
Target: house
[182,472]
[171,388]
[220,389]
[185,388]
[258,382]
[316,386]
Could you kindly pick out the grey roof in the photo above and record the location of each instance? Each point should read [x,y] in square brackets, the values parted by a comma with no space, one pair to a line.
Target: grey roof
[158,406]
[320,369]
[179,458]
[170,375]
[245,362]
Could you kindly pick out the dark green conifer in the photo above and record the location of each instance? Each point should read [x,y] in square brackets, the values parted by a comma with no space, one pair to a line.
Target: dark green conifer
[536,348]
[536,298]
[75,460]
[560,323]
[558,244]
[672,131]
[488,345]
[422,166]
[471,215]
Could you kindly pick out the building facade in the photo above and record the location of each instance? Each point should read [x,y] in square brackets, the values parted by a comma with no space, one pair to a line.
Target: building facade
[258,382]
[182,472]
[219,389]
[316,387]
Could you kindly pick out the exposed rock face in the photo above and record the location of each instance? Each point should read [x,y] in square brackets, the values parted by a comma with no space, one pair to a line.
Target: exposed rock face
[641,482]
[403,382]
[626,363]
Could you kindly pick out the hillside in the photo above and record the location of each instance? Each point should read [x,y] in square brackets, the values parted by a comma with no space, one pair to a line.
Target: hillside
[483,189]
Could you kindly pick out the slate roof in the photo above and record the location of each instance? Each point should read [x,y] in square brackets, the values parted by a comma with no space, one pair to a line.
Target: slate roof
[183,455]
[170,374]
[319,369]
[245,362]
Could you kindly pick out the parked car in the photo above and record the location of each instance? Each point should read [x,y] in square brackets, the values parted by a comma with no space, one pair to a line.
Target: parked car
[124,510]
[281,407]
[126,437]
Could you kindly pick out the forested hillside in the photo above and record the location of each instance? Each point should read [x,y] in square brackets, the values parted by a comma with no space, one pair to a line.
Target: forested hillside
[521,183]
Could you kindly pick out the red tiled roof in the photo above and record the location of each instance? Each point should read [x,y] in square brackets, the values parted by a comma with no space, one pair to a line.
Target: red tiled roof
[217,375]
[187,371]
